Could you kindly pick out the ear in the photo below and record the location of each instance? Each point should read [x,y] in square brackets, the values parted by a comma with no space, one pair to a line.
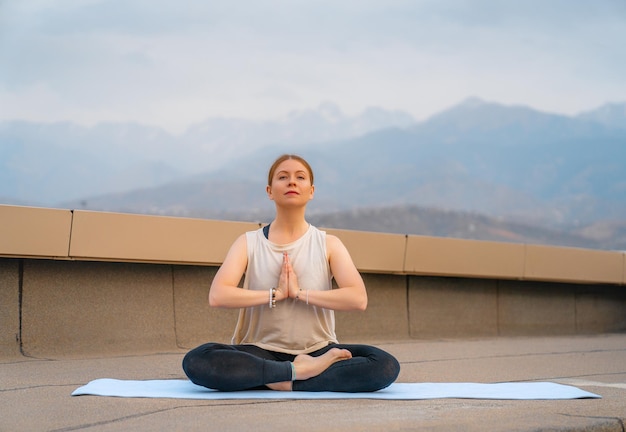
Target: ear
[268,190]
[312,192]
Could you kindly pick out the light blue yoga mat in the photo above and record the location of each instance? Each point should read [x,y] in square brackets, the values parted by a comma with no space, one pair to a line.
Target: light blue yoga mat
[184,389]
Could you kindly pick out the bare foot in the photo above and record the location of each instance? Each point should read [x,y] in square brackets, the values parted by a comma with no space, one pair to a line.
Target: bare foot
[308,366]
[280,386]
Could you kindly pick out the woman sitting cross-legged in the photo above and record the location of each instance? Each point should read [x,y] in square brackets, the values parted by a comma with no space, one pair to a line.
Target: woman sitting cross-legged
[285,335]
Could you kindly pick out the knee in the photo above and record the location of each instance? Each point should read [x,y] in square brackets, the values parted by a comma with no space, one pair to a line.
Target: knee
[189,365]
[389,371]
[393,367]
[195,363]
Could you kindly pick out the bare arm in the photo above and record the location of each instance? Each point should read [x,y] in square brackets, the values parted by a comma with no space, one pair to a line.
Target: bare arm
[350,294]
[225,291]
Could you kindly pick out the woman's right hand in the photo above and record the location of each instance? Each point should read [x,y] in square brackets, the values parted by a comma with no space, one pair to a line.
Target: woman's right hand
[282,290]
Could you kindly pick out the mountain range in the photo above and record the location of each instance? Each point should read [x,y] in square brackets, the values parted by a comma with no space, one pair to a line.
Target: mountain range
[49,164]
[505,164]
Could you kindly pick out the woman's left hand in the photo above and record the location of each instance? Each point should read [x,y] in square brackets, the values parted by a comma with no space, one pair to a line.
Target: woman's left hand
[292,278]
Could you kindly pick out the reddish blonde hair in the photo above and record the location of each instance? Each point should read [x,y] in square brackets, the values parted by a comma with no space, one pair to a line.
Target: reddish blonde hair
[282,159]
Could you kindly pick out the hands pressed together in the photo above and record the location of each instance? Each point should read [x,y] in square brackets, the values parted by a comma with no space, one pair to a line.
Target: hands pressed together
[288,286]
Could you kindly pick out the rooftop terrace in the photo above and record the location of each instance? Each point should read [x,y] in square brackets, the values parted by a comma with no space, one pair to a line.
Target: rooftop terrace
[88,294]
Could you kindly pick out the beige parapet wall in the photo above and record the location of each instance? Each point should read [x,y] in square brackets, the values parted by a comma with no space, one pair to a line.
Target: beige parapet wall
[35,232]
[86,235]
[83,283]
[464,258]
[140,238]
[573,265]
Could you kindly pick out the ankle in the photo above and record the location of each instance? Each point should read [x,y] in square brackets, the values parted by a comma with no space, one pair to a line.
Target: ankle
[280,386]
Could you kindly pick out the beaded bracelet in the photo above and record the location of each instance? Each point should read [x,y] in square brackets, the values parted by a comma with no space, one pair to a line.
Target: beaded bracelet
[307,295]
[272,302]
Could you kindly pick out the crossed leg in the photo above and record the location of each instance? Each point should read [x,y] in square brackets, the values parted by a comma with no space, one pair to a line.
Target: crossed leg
[346,368]
[307,366]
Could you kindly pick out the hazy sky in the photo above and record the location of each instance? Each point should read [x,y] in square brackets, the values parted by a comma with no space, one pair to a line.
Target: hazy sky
[173,63]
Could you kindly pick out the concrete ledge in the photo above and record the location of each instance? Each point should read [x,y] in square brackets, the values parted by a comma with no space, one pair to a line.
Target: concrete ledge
[131,283]
[67,308]
[466,258]
[100,236]
[550,263]
[124,237]
[374,252]
[34,232]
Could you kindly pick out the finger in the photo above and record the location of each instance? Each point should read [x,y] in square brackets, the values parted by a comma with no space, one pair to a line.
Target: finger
[283,281]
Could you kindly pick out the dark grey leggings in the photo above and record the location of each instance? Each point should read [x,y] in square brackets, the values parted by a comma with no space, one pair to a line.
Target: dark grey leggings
[246,367]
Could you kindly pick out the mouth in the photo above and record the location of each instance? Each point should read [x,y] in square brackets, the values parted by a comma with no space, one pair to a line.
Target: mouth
[291,193]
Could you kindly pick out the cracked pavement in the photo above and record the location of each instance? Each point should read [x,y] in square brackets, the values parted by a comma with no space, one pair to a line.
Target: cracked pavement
[35,393]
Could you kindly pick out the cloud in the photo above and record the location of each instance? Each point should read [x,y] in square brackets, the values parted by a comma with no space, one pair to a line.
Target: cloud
[175,63]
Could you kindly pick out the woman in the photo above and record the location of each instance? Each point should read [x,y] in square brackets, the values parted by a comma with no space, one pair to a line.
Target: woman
[285,336]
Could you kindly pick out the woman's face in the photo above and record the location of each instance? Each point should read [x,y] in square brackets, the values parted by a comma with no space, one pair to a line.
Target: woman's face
[291,183]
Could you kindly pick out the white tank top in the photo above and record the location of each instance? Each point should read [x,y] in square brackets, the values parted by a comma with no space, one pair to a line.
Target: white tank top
[292,326]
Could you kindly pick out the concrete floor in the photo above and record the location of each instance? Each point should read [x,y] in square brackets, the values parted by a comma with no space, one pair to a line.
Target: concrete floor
[35,393]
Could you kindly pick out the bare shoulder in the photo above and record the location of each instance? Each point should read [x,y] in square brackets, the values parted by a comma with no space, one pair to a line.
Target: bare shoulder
[239,248]
[333,241]
[341,264]
[241,242]
[235,262]
[334,245]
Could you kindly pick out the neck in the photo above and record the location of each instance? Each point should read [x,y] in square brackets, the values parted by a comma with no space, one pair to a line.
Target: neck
[290,222]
